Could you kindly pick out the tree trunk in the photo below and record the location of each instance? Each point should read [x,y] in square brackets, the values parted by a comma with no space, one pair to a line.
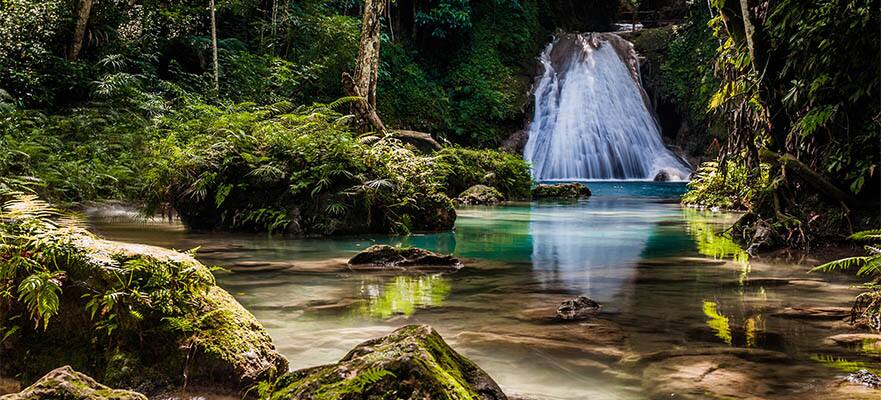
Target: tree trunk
[79,31]
[367,65]
[214,49]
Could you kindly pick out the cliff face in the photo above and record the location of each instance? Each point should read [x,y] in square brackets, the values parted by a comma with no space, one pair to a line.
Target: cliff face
[689,141]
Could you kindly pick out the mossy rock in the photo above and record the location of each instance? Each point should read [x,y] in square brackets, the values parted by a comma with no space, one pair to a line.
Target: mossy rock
[384,257]
[412,362]
[560,191]
[216,342]
[66,384]
[480,195]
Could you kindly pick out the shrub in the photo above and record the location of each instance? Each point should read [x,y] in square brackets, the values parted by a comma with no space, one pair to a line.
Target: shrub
[459,169]
[290,169]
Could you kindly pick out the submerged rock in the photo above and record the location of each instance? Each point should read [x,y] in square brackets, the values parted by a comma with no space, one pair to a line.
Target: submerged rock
[384,257]
[864,377]
[480,195]
[412,362]
[577,309]
[66,384]
[560,191]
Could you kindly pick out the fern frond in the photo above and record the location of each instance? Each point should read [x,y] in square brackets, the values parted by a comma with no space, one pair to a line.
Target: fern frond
[842,264]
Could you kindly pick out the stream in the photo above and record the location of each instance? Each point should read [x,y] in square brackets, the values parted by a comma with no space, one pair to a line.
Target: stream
[666,279]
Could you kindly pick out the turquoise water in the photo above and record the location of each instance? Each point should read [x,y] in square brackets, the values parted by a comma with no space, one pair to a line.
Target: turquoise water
[666,278]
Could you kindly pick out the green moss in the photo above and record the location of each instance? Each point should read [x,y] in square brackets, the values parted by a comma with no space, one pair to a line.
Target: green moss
[411,363]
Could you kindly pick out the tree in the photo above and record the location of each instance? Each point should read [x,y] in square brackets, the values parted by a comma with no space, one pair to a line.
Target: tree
[363,85]
[79,30]
[214,48]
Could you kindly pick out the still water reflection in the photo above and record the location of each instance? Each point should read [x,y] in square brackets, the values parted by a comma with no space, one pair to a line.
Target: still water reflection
[665,276]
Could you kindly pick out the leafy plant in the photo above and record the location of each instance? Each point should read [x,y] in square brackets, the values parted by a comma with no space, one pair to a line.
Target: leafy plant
[867,306]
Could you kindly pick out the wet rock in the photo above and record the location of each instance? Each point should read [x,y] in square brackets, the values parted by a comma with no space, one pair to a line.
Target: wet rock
[480,195]
[709,376]
[577,309]
[854,339]
[864,377]
[662,176]
[412,362]
[814,313]
[560,191]
[66,384]
[383,257]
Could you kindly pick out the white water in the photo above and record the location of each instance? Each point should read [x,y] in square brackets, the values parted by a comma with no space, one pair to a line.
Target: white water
[591,120]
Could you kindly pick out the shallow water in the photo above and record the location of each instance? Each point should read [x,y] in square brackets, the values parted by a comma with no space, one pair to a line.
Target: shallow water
[664,276]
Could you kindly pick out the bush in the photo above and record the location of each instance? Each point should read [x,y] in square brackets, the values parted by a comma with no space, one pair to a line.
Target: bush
[290,169]
[89,154]
[730,188]
[459,169]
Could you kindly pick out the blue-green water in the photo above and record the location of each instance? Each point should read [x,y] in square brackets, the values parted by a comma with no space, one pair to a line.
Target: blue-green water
[667,280]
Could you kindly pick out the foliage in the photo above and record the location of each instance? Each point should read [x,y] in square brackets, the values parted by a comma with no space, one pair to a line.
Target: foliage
[42,252]
[867,306]
[797,100]
[731,187]
[289,169]
[91,154]
[686,77]
[460,168]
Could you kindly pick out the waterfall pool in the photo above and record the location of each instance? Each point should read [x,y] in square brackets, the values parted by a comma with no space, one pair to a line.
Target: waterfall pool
[667,282]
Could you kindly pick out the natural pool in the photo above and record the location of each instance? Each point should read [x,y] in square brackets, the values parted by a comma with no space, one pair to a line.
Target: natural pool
[667,282]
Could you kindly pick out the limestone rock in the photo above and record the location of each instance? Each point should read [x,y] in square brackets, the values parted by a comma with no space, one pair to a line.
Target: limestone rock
[384,257]
[560,191]
[480,195]
[412,362]
[66,384]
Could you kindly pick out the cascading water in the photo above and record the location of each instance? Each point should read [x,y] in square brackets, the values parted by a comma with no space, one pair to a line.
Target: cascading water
[592,120]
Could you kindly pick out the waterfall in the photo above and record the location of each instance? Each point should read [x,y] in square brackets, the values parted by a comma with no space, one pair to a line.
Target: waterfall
[592,119]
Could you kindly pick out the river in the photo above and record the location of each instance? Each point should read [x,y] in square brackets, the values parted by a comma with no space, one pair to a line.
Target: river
[666,279]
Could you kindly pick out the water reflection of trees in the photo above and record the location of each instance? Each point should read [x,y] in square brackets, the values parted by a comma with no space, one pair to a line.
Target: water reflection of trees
[403,295]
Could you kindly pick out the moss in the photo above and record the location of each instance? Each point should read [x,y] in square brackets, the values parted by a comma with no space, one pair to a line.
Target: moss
[480,195]
[412,362]
[66,384]
[137,316]
[560,191]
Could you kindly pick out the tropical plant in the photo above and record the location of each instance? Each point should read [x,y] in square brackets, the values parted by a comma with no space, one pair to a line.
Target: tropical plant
[867,306]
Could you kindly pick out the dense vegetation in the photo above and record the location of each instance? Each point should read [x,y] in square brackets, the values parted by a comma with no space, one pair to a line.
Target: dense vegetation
[798,94]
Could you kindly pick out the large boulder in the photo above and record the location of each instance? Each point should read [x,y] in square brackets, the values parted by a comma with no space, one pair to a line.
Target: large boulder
[412,362]
[480,195]
[133,316]
[384,257]
[560,191]
[66,384]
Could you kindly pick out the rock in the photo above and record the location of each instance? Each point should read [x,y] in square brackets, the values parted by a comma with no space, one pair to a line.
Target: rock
[516,142]
[384,257]
[420,140]
[709,376]
[814,313]
[662,176]
[431,213]
[480,195]
[413,362]
[577,309]
[560,191]
[854,339]
[203,336]
[864,377]
[66,384]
